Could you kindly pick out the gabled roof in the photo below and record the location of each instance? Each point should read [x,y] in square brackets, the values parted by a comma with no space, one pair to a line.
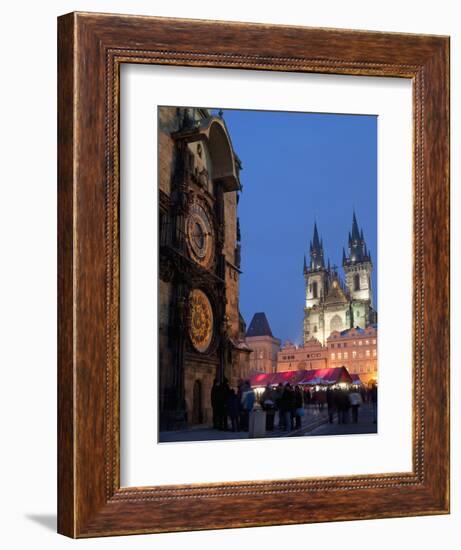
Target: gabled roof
[259,326]
[335,294]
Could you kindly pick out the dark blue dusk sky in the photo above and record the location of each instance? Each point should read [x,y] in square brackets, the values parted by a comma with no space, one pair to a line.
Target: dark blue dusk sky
[299,168]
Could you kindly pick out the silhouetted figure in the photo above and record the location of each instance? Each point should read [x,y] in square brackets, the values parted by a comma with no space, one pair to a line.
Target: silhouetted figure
[288,406]
[299,407]
[374,401]
[268,405]
[233,410]
[214,402]
[330,395]
[222,409]
[278,398]
[342,405]
[247,401]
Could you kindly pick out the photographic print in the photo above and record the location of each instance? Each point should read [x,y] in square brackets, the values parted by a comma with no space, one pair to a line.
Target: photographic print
[267,309]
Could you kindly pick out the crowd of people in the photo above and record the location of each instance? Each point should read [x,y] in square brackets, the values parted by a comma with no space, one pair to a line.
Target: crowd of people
[232,408]
[345,403]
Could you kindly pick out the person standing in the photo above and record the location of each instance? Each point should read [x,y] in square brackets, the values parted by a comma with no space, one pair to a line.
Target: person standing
[330,404]
[346,406]
[214,403]
[279,406]
[224,396]
[321,399]
[342,405]
[268,405]
[355,400]
[290,406]
[337,399]
[233,409]
[374,402]
[248,400]
[299,407]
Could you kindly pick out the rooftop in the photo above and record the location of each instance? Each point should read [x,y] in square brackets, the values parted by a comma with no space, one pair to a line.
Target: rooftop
[259,326]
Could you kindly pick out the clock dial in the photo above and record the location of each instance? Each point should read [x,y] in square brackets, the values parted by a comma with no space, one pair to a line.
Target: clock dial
[200,237]
[201,320]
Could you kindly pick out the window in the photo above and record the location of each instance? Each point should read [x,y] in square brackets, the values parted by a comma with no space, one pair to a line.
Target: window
[354,354]
[315,289]
[367,353]
[374,341]
[356,281]
[346,355]
[374,353]
[336,323]
[367,342]
[332,345]
[315,328]
[332,356]
[339,355]
[360,342]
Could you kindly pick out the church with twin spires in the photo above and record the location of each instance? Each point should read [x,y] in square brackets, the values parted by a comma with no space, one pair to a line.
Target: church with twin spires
[334,303]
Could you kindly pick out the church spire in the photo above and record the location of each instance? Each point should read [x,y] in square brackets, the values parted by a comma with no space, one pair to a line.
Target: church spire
[316,251]
[355,235]
[357,247]
[316,240]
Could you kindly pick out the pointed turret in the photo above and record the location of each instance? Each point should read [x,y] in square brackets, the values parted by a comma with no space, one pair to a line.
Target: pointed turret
[304,265]
[357,247]
[316,240]
[316,251]
[358,266]
[355,228]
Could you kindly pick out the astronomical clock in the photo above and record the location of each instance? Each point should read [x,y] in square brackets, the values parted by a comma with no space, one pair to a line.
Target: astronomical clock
[201,325]
[201,238]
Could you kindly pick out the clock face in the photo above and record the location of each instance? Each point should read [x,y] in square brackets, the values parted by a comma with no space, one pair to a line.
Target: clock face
[200,238]
[201,320]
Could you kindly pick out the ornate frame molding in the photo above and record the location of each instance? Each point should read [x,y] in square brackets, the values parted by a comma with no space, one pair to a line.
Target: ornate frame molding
[91,49]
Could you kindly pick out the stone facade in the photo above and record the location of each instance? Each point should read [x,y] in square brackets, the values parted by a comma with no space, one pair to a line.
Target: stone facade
[201,332]
[332,304]
[264,346]
[355,348]
[310,356]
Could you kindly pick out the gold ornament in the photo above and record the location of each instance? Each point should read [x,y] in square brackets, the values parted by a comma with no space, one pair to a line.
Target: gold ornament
[201,320]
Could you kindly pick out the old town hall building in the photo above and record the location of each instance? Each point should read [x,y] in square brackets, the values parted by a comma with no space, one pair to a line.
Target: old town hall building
[333,304]
[201,331]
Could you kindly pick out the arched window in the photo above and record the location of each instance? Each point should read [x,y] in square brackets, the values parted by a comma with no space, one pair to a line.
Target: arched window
[356,281]
[336,323]
[315,289]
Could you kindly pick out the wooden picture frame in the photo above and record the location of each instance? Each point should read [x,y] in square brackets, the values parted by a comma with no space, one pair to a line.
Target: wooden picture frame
[92,47]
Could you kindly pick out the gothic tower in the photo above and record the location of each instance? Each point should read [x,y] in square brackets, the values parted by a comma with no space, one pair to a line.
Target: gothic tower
[317,283]
[357,267]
